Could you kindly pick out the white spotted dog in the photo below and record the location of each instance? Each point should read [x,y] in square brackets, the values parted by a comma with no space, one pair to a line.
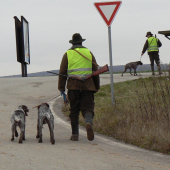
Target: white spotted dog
[18,119]
[45,116]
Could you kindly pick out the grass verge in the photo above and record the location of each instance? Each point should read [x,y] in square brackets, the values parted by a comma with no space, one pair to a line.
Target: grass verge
[140,115]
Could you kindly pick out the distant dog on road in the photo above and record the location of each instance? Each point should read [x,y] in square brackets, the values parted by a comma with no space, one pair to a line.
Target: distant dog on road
[18,119]
[132,65]
[45,116]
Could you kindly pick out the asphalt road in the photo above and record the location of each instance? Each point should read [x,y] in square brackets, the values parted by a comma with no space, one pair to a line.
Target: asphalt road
[103,153]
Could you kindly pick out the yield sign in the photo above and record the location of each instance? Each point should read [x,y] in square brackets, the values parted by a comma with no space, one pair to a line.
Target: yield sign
[108,10]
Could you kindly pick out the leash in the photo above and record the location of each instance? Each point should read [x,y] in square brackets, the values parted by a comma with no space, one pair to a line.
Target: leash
[140,58]
[46,101]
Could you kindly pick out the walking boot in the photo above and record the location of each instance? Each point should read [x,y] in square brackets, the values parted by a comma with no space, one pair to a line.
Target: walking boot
[152,68]
[75,129]
[159,69]
[89,123]
[74,137]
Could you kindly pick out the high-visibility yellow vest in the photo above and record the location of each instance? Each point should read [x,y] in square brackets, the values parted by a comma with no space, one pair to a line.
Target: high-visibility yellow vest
[152,44]
[78,65]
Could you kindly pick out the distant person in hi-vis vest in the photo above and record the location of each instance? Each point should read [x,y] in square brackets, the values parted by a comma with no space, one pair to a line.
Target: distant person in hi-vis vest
[151,45]
[80,93]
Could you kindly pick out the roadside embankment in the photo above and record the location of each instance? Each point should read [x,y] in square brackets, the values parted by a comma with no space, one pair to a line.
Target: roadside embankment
[140,115]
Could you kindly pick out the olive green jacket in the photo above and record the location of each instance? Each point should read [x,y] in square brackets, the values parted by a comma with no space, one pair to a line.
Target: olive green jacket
[91,84]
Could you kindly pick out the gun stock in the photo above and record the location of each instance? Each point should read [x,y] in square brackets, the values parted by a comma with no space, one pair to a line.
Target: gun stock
[99,71]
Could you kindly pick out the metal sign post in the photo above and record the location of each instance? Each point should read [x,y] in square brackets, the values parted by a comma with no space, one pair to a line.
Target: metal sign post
[111,67]
[24,69]
[108,11]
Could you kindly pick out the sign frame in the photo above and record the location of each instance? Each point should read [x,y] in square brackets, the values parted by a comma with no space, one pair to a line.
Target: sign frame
[22,43]
[18,33]
[25,40]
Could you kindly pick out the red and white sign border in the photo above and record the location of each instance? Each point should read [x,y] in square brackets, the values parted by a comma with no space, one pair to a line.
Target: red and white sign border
[98,4]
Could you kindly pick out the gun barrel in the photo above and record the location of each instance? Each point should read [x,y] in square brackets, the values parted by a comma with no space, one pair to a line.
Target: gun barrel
[57,74]
[72,77]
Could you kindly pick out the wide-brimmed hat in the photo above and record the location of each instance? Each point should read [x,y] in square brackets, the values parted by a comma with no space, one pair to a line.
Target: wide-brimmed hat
[76,38]
[148,33]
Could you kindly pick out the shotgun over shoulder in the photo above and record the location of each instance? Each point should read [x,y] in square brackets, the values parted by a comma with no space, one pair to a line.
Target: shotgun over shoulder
[103,69]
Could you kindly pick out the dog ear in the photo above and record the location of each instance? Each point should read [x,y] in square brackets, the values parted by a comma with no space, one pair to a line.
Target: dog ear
[47,105]
[24,107]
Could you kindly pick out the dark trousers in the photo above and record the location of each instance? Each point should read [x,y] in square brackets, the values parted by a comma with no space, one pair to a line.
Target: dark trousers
[80,101]
[154,57]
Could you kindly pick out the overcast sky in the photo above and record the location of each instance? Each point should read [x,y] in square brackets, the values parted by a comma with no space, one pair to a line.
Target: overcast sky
[52,24]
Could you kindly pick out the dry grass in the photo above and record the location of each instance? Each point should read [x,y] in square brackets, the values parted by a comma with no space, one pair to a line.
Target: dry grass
[141,114]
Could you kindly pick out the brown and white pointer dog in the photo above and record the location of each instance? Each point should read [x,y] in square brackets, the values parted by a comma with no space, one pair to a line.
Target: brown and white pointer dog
[18,119]
[132,65]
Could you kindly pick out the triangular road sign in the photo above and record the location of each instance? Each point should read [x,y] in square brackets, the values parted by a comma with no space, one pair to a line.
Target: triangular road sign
[108,10]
